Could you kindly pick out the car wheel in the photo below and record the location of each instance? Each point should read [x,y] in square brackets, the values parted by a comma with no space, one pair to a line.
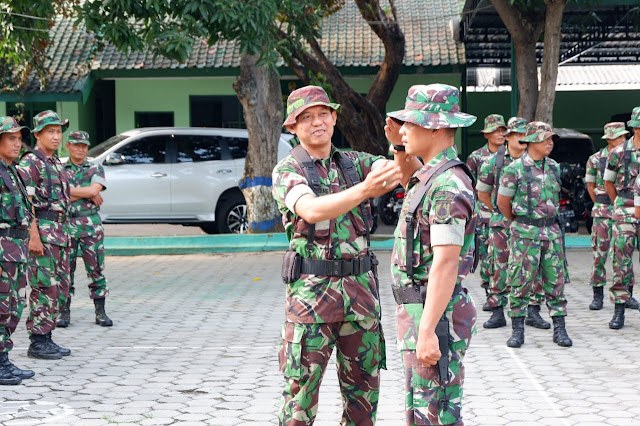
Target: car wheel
[231,216]
[385,213]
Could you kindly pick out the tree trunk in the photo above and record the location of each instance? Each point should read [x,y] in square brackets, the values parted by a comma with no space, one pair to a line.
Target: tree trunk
[259,93]
[550,59]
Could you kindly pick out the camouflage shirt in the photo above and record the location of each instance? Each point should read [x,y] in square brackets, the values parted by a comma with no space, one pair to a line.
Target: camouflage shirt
[322,299]
[34,174]
[79,176]
[545,196]
[474,162]
[446,218]
[623,209]
[489,182]
[636,193]
[595,174]
[15,212]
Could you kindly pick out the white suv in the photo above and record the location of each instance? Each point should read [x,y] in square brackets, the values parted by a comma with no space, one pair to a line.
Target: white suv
[186,175]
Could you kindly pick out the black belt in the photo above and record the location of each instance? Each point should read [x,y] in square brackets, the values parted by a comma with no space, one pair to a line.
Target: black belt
[51,215]
[335,268]
[82,213]
[625,193]
[603,199]
[21,234]
[547,221]
[416,293]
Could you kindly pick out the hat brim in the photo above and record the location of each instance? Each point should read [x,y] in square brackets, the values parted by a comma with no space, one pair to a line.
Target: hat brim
[73,142]
[633,123]
[509,131]
[532,138]
[616,135]
[291,119]
[22,129]
[434,120]
[493,130]
[64,124]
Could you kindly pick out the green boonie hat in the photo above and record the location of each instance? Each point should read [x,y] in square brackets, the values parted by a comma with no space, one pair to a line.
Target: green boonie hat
[614,130]
[306,97]
[45,118]
[492,123]
[635,118]
[516,125]
[10,125]
[539,131]
[433,106]
[79,137]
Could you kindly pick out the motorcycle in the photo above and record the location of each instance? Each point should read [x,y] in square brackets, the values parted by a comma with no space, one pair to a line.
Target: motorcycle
[389,206]
[575,202]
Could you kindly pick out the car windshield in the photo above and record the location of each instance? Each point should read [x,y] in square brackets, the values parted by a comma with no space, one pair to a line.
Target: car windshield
[104,146]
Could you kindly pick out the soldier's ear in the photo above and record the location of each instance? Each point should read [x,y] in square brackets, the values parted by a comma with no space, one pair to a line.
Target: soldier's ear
[291,128]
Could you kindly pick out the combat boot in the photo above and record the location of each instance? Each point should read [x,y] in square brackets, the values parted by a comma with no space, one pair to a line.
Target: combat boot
[101,315]
[617,322]
[23,374]
[497,318]
[560,335]
[63,351]
[598,299]
[486,307]
[65,314]
[534,319]
[632,303]
[40,348]
[6,378]
[517,336]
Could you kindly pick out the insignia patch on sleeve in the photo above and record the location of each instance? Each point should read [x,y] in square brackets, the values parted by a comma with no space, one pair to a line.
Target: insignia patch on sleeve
[442,209]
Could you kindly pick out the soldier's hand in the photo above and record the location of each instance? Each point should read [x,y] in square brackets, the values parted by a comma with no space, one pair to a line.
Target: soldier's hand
[97,200]
[0,270]
[382,180]
[35,247]
[428,349]
[392,132]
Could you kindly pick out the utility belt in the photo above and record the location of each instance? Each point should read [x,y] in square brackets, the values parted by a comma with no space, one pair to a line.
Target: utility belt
[416,293]
[295,265]
[19,233]
[51,215]
[83,213]
[603,199]
[547,221]
[626,193]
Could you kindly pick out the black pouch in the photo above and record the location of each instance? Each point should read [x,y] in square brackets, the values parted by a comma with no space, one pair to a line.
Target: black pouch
[442,332]
[291,266]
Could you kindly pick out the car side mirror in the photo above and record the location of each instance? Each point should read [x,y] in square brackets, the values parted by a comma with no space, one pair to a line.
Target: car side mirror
[114,158]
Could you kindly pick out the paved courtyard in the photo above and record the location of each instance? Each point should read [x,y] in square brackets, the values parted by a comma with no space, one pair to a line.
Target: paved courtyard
[195,337]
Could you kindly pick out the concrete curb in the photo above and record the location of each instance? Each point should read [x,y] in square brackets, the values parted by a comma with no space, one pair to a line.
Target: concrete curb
[229,243]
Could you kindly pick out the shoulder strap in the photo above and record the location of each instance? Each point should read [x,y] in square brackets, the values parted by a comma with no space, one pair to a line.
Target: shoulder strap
[4,174]
[528,176]
[627,162]
[351,175]
[602,163]
[309,170]
[42,157]
[496,180]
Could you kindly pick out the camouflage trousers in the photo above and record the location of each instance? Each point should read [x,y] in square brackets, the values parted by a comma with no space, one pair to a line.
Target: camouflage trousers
[528,259]
[625,237]
[484,262]
[49,281]
[601,235]
[13,279]
[91,248]
[303,357]
[499,286]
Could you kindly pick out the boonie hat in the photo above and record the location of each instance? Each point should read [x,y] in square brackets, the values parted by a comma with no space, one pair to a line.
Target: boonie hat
[79,137]
[10,125]
[539,131]
[635,118]
[492,123]
[433,106]
[306,97]
[45,118]
[516,125]
[614,130]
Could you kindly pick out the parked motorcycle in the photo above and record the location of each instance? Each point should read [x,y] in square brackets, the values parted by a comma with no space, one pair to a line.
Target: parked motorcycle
[389,206]
[575,202]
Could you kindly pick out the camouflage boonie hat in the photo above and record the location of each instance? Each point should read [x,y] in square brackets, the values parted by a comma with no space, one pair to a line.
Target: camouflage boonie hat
[516,125]
[539,131]
[614,130]
[10,125]
[492,123]
[433,106]
[45,118]
[306,97]
[79,137]
[635,118]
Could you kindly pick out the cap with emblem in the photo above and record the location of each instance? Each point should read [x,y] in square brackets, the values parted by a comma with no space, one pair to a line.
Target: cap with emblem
[306,97]
[516,125]
[492,123]
[48,117]
[539,131]
[79,136]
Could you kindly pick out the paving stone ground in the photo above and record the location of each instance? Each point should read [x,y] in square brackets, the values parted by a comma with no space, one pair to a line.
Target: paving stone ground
[195,337]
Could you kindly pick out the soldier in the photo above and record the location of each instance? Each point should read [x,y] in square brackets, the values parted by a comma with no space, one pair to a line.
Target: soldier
[86,233]
[47,185]
[528,197]
[602,211]
[487,186]
[432,254]
[619,180]
[15,217]
[332,291]
[494,129]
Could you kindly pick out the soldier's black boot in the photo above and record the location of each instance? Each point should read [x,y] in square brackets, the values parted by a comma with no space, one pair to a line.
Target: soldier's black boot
[617,322]
[7,378]
[23,374]
[101,315]
[598,299]
[560,335]
[534,319]
[497,318]
[632,303]
[65,314]
[486,307]
[63,351]
[40,348]
[517,335]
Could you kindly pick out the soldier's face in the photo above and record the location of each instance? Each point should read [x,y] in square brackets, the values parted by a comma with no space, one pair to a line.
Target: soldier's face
[617,141]
[77,152]
[49,138]
[314,126]
[10,144]
[415,138]
[516,149]
[496,138]
[541,149]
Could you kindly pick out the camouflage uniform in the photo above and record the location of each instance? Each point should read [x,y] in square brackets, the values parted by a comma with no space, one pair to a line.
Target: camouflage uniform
[445,216]
[323,312]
